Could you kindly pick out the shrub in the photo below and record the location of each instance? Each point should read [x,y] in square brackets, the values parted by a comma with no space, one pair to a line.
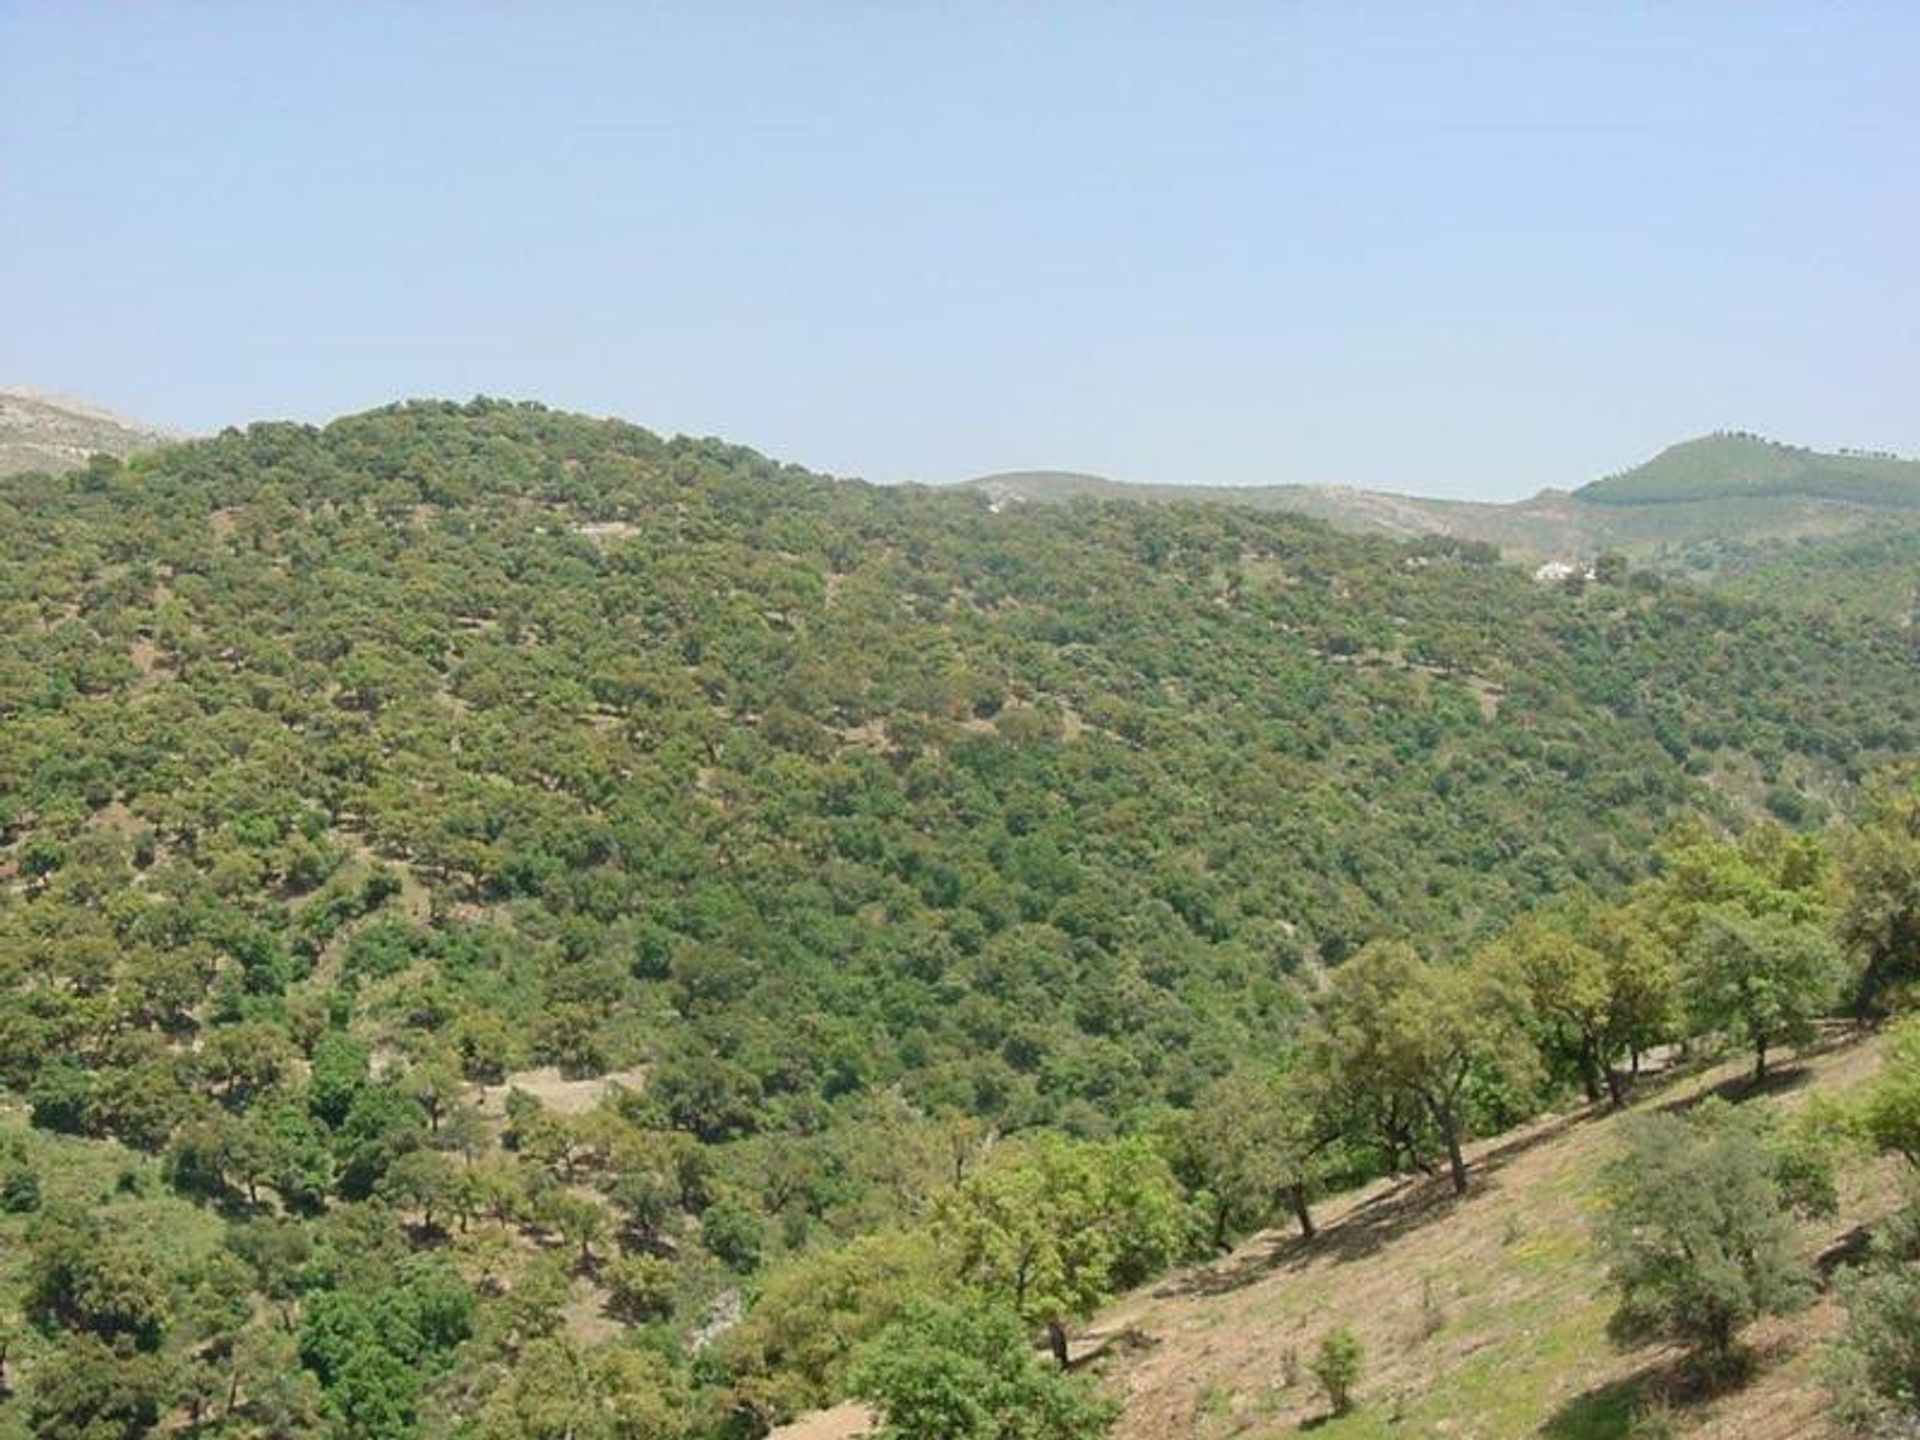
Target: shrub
[1697,1234]
[1875,1370]
[1337,1367]
[1874,1367]
[733,1233]
[19,1189]
[639,1288]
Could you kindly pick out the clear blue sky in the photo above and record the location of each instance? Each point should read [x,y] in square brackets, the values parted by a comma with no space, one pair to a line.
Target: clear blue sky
[1456,250]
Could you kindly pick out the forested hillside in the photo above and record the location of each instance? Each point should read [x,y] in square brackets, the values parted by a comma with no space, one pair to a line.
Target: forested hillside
[809,833]
[1716,498]
[1871,574]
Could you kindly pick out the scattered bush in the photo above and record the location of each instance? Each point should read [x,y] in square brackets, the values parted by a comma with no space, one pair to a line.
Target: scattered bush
[1874,1366]
[1697,1234]
[19,1189]
[639,1288]
[1337,1367]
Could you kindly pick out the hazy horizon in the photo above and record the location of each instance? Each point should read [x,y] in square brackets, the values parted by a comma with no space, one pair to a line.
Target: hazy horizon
[1449,252]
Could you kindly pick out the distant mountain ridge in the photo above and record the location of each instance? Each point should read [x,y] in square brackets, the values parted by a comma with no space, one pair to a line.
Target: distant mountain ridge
[1717,489]
[43,431]
[1726,466]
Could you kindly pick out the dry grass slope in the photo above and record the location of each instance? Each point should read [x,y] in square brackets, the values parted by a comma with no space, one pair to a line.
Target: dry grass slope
[39,431]
[1482,1317]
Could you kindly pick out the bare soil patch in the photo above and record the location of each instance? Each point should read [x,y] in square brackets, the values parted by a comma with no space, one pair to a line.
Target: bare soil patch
[555,1091]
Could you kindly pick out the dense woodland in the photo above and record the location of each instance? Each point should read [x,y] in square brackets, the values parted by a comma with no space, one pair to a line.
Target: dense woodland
[514,927]
[1873,575]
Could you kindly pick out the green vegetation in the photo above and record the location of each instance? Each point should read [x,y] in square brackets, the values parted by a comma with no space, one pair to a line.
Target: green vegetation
[1600,987]
[1249,1138]
[1699,1239]
[1875,1365]
[513,927]
[1337,1365]
[1880,918]
[968,1373]
[1890,1111]
[1874,1369]
[1402,1046]
[1053,1236]
[1733,465]
[1835,533]
[1872,574]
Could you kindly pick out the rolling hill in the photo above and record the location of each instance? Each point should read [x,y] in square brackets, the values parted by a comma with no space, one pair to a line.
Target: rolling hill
[1739,466]
[490,900]
[1719,490]
[39,431]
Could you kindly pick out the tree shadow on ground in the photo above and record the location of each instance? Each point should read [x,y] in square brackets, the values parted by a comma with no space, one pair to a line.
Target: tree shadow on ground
[1672,1384]
[1406,1205]
[1782,1079]
[1379,1220]
[1606,1412]
[1366,1229]
[1845,1250]
[1737,1089]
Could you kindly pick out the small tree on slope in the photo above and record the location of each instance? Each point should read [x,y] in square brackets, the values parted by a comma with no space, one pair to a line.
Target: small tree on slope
[1697,1236]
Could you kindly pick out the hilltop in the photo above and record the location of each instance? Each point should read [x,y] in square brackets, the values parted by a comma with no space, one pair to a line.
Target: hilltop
[1741,466]
[39,431]
[1674,512]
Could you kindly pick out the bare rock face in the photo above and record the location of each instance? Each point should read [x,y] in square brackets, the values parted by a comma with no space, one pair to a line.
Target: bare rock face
[39,431]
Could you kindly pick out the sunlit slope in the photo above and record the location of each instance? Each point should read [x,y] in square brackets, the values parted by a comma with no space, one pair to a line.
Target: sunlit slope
[1482,1317]
[1716,490]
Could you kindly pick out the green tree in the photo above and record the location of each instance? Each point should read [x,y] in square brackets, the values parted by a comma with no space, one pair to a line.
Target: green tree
[1765,978]
[1890,1108]
[1880,904]
[341,1068]
[1696,1232]
[85,1390]
[579,1220]
[1408,1040]
[1052,1232]
[1874,1366]
[239,1061]
[1599,987]
[1251,1141]
[422,1180]
[639,1287]
[734,1233]
[790,1349]
[965,1372]
[557,1391]
[275,1397]
[82,1277]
